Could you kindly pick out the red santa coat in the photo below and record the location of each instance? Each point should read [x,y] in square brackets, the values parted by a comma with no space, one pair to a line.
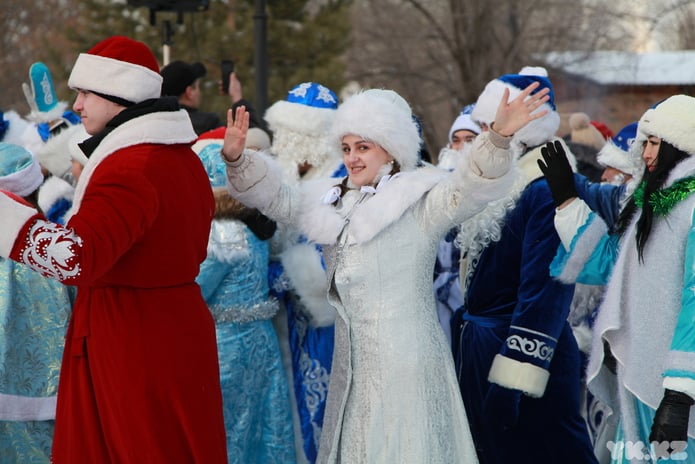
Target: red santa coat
[140,379]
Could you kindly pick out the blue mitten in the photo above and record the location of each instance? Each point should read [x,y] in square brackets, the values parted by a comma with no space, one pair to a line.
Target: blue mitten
[501,407]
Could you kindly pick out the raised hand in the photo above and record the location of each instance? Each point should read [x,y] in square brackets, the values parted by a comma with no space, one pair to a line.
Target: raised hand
[512,116]
[235,135]
[558,172]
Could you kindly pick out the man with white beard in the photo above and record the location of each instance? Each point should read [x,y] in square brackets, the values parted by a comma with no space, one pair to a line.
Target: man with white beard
[447,288]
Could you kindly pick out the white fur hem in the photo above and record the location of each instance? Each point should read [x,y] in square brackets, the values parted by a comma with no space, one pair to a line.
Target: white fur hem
[14,215]
[517,375]
[681,384]
[25,408]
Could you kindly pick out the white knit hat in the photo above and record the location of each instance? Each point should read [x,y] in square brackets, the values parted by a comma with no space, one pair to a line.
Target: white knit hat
[118,67]
[464,121]
[672,120]
[383,117]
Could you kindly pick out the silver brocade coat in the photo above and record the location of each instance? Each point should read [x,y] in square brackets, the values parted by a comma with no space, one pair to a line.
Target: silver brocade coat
[393,395]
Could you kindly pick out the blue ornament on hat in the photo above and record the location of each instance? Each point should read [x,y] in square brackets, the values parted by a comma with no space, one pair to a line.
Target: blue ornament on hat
[300,125]
[625,137]
[313,94]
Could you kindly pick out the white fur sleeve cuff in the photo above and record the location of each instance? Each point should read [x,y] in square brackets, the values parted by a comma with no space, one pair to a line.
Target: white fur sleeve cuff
[681,384]
[517,375]
[569,219]
[14,216]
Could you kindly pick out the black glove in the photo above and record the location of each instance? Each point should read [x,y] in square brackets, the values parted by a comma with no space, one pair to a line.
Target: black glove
[558,172]
[262,226]
[671,418]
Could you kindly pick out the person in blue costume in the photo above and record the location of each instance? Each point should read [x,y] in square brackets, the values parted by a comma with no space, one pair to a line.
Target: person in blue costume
[300,124]
[34,313]
[642,354]
[517,360]
[622,172]
[234,282]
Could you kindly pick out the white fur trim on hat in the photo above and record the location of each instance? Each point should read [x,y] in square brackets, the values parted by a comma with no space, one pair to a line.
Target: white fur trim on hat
[300,133]
[673,120]
[21,173]
[612,156]
[532,134]
[116,78]
[382,117]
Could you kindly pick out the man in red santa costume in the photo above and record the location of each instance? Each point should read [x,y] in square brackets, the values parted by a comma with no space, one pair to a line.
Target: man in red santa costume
[139,380]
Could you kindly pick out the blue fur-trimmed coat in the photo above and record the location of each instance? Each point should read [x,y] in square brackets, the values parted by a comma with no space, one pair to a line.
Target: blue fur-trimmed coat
[513,332]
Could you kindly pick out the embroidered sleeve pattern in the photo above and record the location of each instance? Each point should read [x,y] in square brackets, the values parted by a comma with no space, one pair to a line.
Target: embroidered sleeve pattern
[52,250]
[530,346]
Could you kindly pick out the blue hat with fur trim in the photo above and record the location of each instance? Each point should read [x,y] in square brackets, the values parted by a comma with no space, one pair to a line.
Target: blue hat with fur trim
[300,124]
[616,152]
[19,171]
[536,132]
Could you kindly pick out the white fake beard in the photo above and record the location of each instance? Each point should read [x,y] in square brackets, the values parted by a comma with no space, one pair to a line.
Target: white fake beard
[448,157]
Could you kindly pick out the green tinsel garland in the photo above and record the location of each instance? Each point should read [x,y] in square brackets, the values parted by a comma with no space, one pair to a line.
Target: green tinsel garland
[663,201]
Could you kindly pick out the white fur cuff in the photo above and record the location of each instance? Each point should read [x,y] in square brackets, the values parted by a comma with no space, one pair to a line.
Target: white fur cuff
[517,375]
[681,384]
[15,215]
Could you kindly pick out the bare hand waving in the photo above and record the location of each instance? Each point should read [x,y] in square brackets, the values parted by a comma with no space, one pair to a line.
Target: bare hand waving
[512,116]
[235,135]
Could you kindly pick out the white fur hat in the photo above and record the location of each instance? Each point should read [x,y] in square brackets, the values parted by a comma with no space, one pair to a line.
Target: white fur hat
[672,120]
[301,122]
[383,117]
[537,131]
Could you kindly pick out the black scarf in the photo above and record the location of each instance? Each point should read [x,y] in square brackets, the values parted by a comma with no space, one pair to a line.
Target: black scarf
[153,105]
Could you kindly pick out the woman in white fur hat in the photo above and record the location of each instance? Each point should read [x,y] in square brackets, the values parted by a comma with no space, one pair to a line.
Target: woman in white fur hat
[642,361]
[379,228]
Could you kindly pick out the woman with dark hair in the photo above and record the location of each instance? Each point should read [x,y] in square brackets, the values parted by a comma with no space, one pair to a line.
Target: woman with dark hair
[642,361]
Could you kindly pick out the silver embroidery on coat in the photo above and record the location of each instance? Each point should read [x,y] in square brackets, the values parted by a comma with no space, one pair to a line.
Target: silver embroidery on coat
[50,250]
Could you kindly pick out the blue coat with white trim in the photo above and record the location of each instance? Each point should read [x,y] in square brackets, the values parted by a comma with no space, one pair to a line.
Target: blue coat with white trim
[513,331]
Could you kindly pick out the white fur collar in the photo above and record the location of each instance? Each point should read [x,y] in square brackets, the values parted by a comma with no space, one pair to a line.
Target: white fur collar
[685,168]
[322,223]
[165,127]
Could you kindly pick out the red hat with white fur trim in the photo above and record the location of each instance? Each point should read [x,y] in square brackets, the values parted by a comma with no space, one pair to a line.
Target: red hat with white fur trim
[119,69]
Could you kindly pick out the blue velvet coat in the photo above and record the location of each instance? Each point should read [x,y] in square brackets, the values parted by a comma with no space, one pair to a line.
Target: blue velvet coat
[513,332]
